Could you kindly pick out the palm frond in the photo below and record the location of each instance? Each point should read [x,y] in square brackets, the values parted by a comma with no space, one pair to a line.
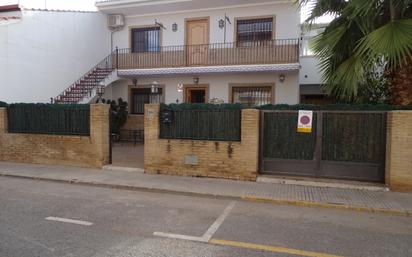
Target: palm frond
[393,41]
[319,8]
[345,79]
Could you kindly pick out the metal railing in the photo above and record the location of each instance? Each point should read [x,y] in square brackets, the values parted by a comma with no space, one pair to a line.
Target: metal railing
[217,54]
[85,84]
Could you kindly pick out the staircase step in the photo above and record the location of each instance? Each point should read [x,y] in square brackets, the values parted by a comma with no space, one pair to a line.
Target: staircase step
[83,87]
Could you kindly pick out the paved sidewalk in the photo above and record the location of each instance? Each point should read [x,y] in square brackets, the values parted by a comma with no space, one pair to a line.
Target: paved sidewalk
[354,199]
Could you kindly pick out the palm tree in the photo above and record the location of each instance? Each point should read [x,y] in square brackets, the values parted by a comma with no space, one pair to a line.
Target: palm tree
[363,34]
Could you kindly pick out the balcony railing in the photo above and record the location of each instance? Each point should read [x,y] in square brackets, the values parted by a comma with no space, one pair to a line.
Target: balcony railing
[220,54]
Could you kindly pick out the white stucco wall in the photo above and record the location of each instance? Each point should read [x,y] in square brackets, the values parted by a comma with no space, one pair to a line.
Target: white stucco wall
[287,23]
[309,73]
[286,92]
[287,26]
[47,51]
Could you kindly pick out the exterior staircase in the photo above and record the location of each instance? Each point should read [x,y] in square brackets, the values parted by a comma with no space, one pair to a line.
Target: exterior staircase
[85,87]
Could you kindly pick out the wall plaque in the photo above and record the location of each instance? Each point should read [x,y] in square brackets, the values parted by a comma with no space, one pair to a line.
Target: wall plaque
[191,159]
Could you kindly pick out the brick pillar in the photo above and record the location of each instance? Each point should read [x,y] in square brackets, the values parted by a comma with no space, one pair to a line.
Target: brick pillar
[151,132]
[398,170]
[250,141]
[3,120]
[99,132]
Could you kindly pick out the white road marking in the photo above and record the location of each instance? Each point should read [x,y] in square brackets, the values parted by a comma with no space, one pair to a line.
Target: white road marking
[177,236]
[78,222]
[208,234]
[215,226]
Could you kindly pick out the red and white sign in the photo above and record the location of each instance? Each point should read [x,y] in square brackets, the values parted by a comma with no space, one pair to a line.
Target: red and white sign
[305,121]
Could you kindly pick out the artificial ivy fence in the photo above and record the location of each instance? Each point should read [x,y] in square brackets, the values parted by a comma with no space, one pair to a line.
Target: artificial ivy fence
[57,119]
[203,122]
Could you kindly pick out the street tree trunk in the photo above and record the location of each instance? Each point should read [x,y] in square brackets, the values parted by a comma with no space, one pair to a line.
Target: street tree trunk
[401,85]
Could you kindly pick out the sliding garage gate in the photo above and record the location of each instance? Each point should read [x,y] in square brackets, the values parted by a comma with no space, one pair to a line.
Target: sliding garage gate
[342,145]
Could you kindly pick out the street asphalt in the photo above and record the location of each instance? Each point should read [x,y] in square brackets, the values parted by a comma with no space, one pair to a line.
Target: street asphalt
[39,218]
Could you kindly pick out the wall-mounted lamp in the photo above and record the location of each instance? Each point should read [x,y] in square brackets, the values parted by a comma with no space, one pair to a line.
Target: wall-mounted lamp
[282,77]
[100,92]
[196,80]
[174,27]
[221,23]
[154,87]
[180,87]
[134,81]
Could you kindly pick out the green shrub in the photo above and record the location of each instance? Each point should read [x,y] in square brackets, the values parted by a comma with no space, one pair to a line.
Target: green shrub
[119,113]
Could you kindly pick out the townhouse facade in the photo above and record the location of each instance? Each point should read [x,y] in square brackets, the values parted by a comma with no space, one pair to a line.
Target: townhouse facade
[202,51]
[159,51]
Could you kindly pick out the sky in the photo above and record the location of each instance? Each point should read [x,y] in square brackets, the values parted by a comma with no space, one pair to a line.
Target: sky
[88,5]
[80,5]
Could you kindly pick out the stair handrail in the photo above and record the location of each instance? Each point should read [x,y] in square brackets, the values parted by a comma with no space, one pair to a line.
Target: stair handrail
[104,61]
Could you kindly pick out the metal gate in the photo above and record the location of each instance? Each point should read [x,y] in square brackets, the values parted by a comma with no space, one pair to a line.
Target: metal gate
[342,145]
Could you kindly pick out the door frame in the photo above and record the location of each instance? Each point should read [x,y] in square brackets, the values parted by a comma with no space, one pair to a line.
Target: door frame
[187,87]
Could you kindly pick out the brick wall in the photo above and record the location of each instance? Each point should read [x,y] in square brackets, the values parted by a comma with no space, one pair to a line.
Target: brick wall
[233,160]
[83,151]
[398,151]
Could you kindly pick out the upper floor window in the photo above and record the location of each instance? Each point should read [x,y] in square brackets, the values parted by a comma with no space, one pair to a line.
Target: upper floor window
[254,30]
[146,39]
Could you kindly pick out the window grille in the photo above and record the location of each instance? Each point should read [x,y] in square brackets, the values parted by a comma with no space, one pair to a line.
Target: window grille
[146,39]
[254,31]
[142,96]
[252,96]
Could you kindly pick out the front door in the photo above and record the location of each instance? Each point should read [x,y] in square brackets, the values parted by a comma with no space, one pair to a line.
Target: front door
[197,40]
[196,95]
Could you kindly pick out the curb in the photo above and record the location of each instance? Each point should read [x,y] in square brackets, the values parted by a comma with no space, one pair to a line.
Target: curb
[404,213]
[124,187]
[327,206]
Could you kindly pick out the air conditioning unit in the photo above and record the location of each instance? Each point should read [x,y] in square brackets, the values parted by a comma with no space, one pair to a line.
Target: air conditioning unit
[115,21]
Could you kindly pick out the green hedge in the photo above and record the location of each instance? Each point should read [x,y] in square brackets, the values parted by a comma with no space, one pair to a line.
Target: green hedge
[330,107]
[3,104]
[187,106]
[58,119]
[337,107]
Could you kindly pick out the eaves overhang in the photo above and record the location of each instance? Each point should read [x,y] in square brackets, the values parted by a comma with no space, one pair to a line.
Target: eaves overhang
[128,73]
[137,8]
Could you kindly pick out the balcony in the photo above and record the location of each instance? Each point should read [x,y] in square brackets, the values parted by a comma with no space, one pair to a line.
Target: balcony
[283,51]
